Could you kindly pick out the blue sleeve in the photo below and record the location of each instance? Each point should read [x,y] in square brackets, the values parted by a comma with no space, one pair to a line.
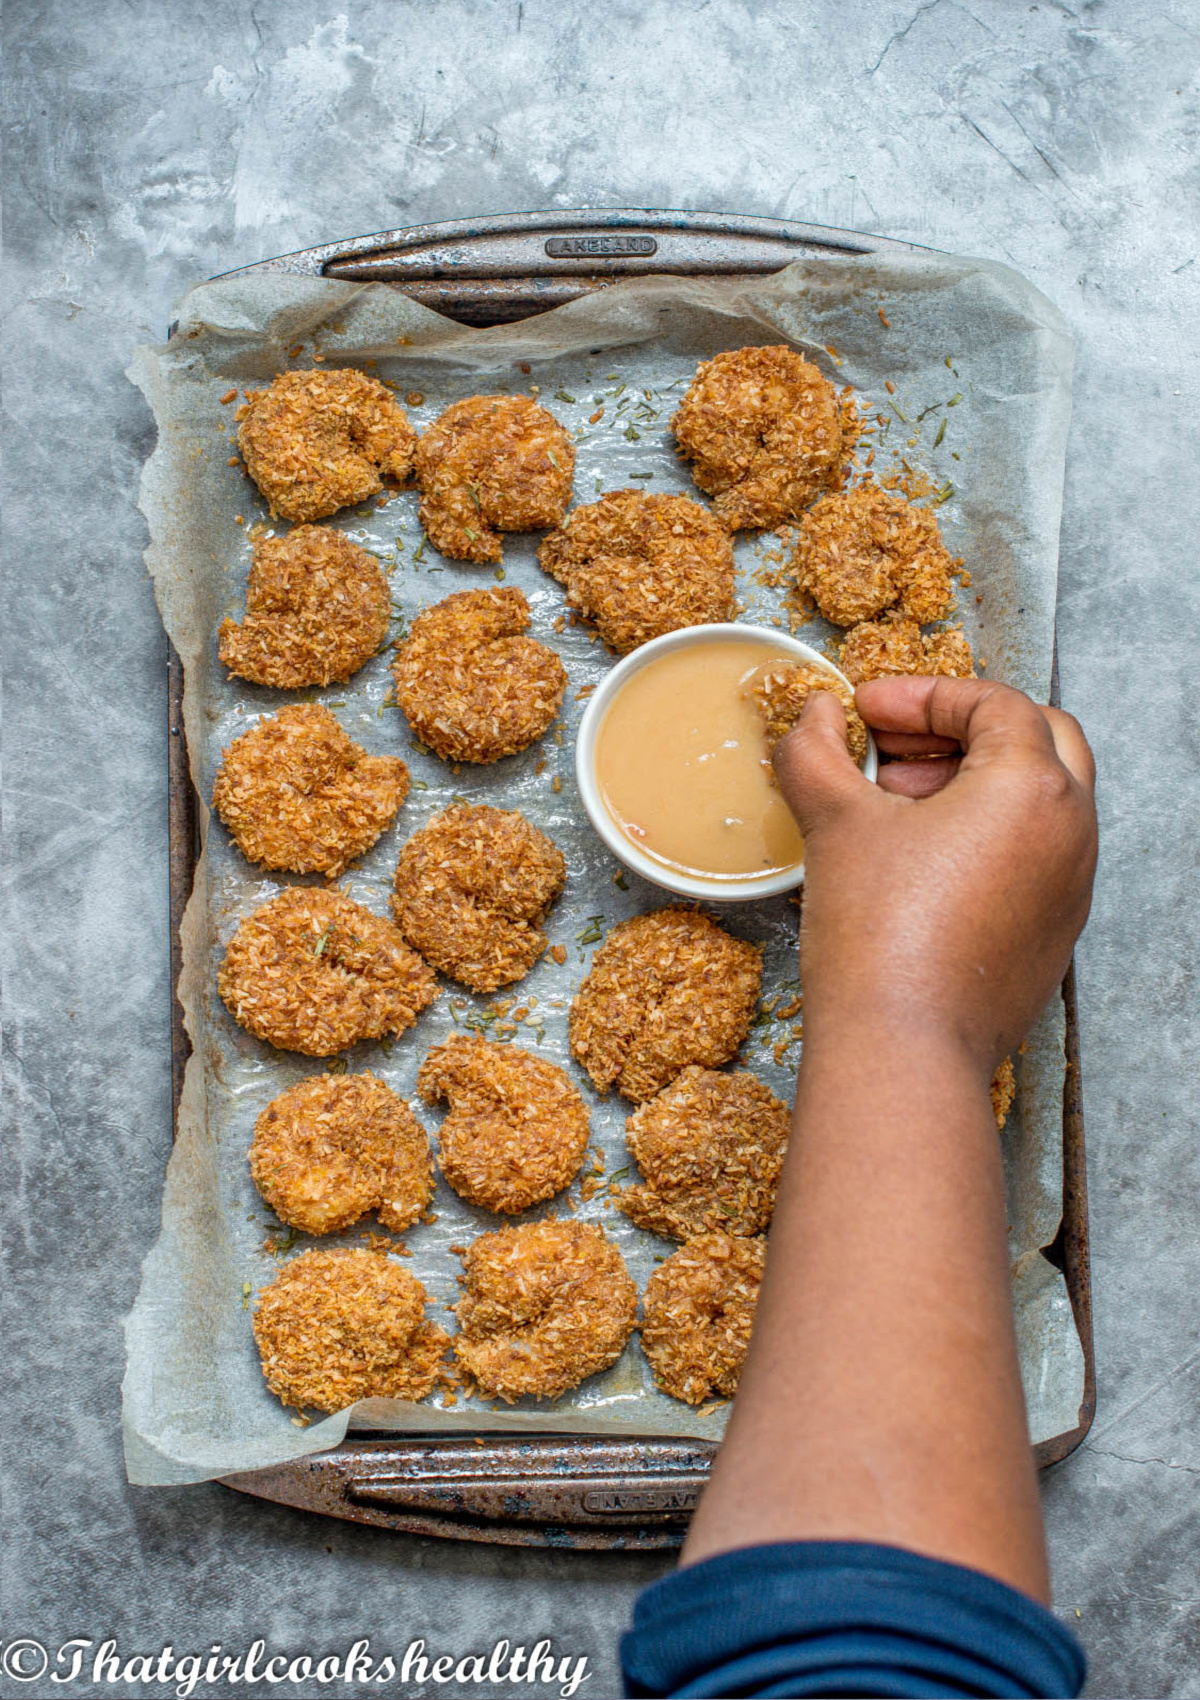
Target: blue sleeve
[843,1617]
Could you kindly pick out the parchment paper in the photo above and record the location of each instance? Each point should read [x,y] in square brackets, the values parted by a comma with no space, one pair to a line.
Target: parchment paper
[968,343]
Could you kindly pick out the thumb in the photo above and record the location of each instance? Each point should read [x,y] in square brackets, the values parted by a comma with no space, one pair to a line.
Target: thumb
[813,764]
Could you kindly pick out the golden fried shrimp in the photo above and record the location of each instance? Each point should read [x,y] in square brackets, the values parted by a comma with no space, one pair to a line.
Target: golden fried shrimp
[880,649]
[517,1129]
[765,433]
[782,691]
[333,1147]
[472,888]
[698,1312]
[317,609]
[489,464]
[1002,1091]
[665,989]
[711,1147]
[866,550]
[314,442]
[638,566]
[297,792]
[545,1306]
[470,684]
[313,971]
[336,1326]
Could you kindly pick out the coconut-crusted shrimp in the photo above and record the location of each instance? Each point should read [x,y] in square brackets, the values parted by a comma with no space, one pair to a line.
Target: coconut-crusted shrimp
[765,433]
[545,1305]
[314,442]
[665,989]
[333,1147]
[472,888]
[489,464]
[698,1313]
[639,565]
[317,609]
[517,1130]
[336,1326]
[880,649]
[313,971]
[866,550]
[470,684]
[782,691]
[297,793]
[711,1147]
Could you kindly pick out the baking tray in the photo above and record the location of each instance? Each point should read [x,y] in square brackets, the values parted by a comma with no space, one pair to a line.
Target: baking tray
[548,1489]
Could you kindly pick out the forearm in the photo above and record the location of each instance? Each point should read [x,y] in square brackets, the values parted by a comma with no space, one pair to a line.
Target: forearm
[881,1399]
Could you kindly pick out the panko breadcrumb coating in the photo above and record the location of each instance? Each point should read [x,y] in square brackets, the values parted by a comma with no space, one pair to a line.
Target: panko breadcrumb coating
[313,971]
[470,684]
[489,464]
[698,1312]
[336,1326]
[782,691]
[1002,1091]
[297,792]
[545,1306]
[867,549]
[471,890]
[711,1147]
[880,649]
[638,565]
[317,609]
[333,1147]
[517,1129]
[665,989]
[314,442]
[765,433]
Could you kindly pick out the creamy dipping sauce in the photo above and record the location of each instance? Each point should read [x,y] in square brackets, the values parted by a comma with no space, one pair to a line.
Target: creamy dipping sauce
[681,763]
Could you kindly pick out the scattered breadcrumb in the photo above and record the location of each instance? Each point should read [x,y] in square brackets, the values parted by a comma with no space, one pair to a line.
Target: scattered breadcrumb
[867,549]
[472,888]
[546,1305]
[711,1147]
[698,1312]
[314,442]
[490,464]
[471,685]
[665,989]
[333,1147]
[782,691]
[517,1130]
[317,609]
[879,649]
[312,971]
[1003,1090]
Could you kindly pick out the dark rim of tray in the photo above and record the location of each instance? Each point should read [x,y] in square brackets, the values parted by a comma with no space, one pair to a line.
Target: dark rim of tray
[549,1489]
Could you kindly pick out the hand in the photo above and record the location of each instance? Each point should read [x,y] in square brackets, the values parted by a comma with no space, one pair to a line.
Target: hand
[952,892]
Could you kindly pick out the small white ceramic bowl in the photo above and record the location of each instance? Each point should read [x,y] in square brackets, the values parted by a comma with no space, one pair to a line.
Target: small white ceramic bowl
[671,879]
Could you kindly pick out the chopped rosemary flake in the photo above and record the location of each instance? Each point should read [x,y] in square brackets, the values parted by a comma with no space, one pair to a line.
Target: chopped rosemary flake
[552,461]
[619,880]
[498,573]
[419,552]
[631,435]
[246,1295]
[593,932]
[419,785]
[421,749]
[641,475]
[619,1174]
[385,1045]
[471,491]
[337,1066]
[954,400]
[944,494]
[903,417]
[941,432]
[563,395]
[322,944]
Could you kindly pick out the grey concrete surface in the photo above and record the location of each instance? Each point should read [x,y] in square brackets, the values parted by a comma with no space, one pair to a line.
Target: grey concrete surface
[152,144]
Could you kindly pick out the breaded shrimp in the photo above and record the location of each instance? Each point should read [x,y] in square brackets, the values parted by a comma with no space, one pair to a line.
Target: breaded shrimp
[314,442]
[317,609]
[489,464]
[470,684]
[297,792]
[782,691]
[711,1147]
[698,1312]
[546,1305]
[313,971]
[866,550]
[765,433]
[337,1326]
[471,890]
[638,565]
[1002,1091]
[880,649]
[665,989]
[517,1129]
[333,1147]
